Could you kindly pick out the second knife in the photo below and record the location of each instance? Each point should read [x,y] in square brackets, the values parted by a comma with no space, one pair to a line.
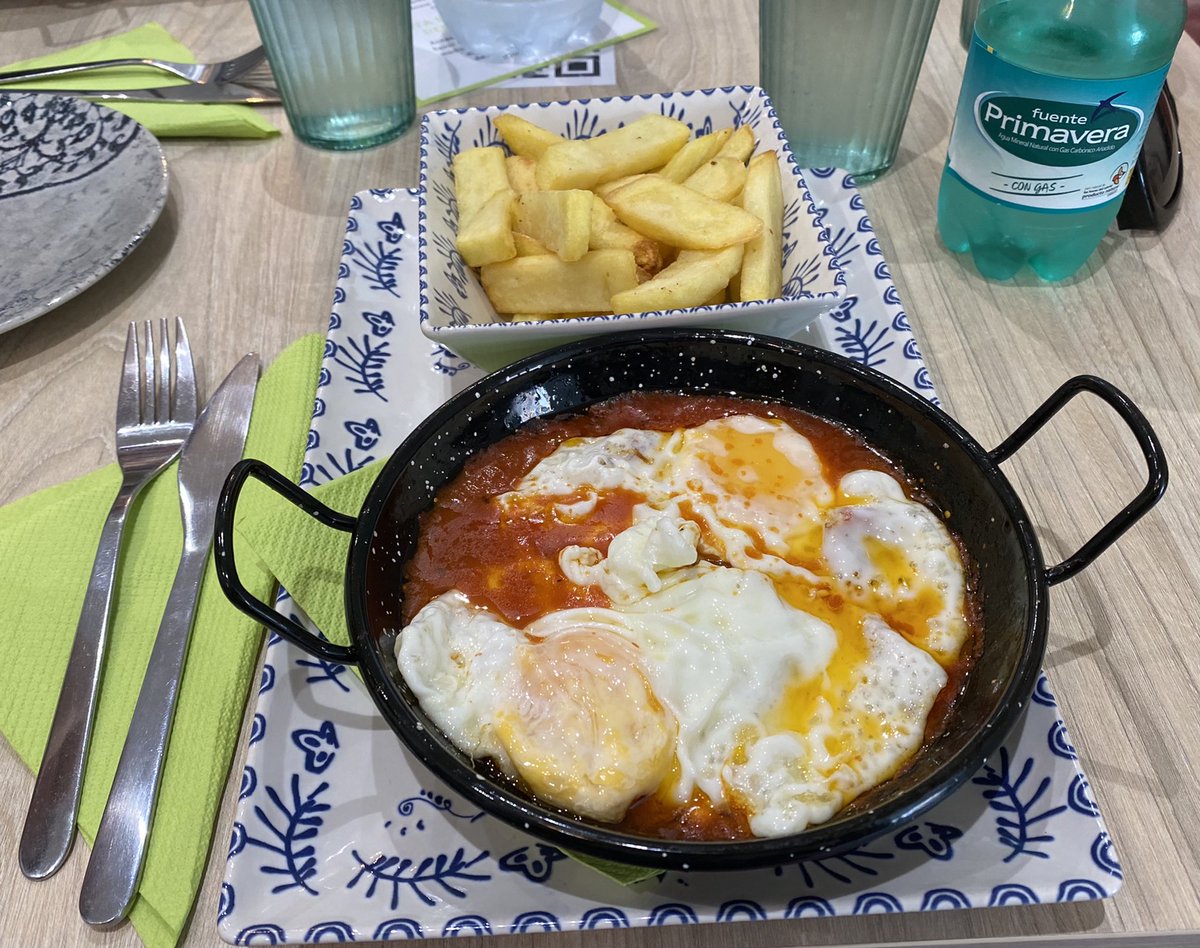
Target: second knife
[214,446]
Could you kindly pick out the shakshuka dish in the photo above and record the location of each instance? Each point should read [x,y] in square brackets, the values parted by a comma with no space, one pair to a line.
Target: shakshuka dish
[691,617]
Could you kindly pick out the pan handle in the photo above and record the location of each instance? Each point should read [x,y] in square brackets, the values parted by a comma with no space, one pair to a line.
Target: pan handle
[227,572]
[1156,465]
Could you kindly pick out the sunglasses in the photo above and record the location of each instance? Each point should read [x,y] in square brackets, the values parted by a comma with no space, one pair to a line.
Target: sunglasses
[1157,177]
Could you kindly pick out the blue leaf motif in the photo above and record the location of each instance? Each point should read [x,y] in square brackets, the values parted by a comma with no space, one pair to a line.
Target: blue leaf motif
[319,746]
[842,868]
[362,361]
[326,670]
[378,265]
[535,863]
[1009,796]
[290,842]
[447,871]
[446,362]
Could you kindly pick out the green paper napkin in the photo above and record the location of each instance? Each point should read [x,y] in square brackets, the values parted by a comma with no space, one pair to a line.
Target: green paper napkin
[47,543]
[164,119]
[310,562]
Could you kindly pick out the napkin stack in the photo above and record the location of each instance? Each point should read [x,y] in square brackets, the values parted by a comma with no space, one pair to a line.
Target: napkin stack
[47,543]
[164,119]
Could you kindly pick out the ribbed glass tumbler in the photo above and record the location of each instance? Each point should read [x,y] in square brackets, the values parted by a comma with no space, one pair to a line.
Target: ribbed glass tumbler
[344,68]
[841,74]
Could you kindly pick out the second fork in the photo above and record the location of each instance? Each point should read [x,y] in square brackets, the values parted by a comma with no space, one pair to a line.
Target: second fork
[152,424]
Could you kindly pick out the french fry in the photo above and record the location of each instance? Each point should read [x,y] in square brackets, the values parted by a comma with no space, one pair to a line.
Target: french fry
[478,174]
[721,179]
[694,154]
[608,233]
[609,188]
[523,137]
[521,173]
[546,284]
[762,266]
[679,216]
[559,220]
[527,246]
[740,144]
[487,237]
[692,280]
[642,145]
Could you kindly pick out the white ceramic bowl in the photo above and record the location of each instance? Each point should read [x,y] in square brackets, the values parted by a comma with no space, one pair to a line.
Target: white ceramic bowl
[455,311]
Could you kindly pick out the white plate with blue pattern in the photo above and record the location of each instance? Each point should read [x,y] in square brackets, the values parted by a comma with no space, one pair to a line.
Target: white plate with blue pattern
[340,835]
[456,313]
[80,186]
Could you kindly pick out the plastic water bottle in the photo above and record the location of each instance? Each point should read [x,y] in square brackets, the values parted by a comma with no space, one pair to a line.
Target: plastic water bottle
[1055,102]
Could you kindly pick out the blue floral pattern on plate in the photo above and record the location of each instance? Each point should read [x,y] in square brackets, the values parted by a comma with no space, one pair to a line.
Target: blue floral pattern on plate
[342,836]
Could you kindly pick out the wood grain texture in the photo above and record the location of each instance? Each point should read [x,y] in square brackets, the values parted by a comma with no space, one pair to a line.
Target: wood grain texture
[247,251]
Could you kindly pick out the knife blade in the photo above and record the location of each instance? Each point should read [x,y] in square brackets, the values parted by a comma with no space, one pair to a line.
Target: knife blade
[214,446]
[210,92]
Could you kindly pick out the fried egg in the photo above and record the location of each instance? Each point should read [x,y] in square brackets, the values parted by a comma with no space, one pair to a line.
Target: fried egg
[772,644]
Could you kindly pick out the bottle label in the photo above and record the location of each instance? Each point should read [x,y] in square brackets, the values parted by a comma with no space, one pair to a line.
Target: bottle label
[1047,142]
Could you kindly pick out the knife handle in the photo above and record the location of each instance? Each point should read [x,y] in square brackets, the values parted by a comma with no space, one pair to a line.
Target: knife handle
[50,821]
[115,867]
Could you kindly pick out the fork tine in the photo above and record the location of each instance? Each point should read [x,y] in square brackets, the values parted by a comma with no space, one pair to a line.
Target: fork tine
[129,409]
[240,65]
[186,399]
[151,385]
[162,395]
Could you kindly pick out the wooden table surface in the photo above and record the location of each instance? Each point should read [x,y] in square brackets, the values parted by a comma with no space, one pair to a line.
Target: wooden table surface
[247,249]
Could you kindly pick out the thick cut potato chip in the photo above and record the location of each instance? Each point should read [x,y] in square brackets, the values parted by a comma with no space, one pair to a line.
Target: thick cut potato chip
[693,279]
[762,267]
[523,137]
[487,236]
[694,154]
[478,174]
[721,179]
[642,145]
[527,246]
[521,173]
[740,145]
[679,216]
[608,233]
[559,220]
[546,284]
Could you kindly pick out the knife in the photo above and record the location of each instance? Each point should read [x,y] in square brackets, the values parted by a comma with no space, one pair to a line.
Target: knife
[210,92]
[214,446]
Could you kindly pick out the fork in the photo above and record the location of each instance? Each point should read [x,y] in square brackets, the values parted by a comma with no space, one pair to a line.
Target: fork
[151,428]
[202,73]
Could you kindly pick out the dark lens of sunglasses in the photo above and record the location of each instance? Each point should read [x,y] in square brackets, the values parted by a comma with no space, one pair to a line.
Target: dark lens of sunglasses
[1157,178]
